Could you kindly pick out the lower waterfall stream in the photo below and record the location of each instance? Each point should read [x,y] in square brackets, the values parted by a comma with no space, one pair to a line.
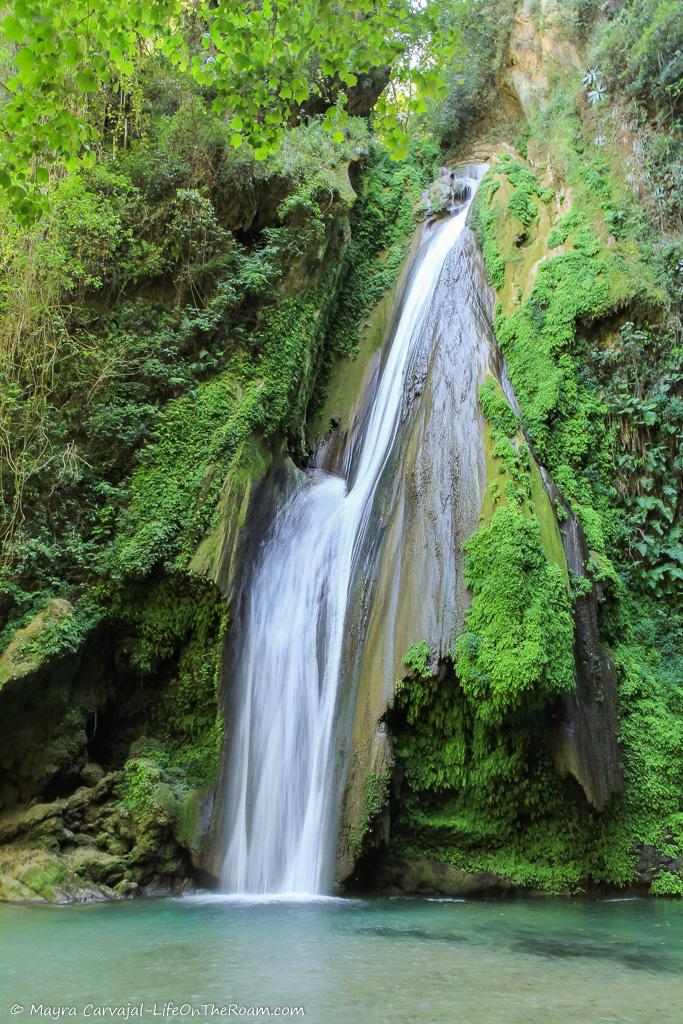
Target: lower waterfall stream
[280,805]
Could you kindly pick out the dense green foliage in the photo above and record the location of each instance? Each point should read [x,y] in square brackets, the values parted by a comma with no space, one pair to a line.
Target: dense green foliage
[382,226]
[473,86]
[517,646]
[69,67]
[170,321]
[516,649]
[127,316]
[375,799]
[478,795]
[576,408]
[489,797]
[592,344]
[639,52]
[174,628]
[635,58]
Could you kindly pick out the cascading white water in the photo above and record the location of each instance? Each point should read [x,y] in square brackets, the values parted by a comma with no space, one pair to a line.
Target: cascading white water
[281,770]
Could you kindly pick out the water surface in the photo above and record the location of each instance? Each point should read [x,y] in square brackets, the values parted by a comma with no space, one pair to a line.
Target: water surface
[395,961]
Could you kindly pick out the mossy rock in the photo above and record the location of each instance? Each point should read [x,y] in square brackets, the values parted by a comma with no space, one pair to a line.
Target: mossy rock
[188,825]
[37,875]
[25,654]
[428,877]
[217,556]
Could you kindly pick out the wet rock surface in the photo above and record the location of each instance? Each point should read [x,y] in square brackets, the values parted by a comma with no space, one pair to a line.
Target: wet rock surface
[428,877]
[652,862]
[586,744]
[447,191]
[88,846]
[411,585]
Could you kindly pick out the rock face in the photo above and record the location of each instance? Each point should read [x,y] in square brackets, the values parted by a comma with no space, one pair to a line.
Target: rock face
[535,55]
[652,863]
[69,830]
[412,587]
[17,660]
[586,744]
[429,877]
[87,847]
[221,553]
[46,711]
[446,192]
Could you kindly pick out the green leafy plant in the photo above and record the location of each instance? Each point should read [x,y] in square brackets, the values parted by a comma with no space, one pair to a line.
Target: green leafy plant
[68,64]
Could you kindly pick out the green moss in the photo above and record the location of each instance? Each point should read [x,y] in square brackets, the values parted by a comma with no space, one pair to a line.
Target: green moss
[563,413]
[488,798]
[551,537]
[518,638]
[215,557]
[517,645]
[155,791]
[477,784]
[522,207]
[496,408]
[383,223]
[418,659]
[142,778]
[375,798]
[188,820]
[44,879]
[176,470]
[174,628]
[177,486]
[50,632]
[510,470]
[348,373]
[471,789]
[486,221]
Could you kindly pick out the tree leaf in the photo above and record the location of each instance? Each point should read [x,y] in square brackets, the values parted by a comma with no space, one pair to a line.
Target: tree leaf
[86,81]
[12,29]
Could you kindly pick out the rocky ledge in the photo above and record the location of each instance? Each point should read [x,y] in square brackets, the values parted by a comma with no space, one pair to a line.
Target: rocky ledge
[89,846]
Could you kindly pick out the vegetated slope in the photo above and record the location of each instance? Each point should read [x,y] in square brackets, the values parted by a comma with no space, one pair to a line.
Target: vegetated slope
[584,253]
[164,329]
[166,332]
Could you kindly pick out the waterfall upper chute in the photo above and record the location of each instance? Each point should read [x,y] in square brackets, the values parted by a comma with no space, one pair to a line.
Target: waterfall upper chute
[290,645]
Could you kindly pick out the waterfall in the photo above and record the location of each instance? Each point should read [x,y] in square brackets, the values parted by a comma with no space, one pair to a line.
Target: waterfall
[280,799]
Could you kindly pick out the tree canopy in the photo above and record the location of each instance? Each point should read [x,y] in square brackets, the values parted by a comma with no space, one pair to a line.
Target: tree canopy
[64,64]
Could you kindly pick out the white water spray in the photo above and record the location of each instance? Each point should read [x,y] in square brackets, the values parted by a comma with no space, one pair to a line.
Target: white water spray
[281,770]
